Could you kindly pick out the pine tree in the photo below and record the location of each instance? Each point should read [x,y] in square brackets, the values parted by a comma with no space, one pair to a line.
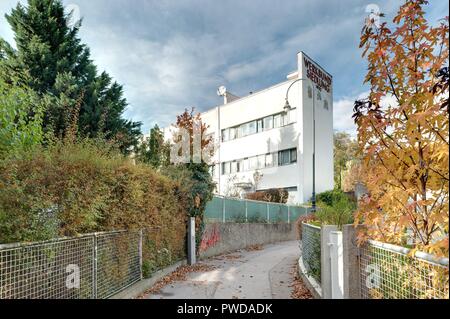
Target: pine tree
[51,60]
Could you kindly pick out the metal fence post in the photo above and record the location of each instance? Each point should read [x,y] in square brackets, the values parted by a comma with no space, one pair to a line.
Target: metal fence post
[141,234]
[94,268]
[352,279]
[223,210]
[191,241]
[268,214]
[246,211]
[289,215]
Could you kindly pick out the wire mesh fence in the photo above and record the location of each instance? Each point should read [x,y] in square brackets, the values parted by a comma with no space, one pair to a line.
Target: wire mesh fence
[39,271]
[223,209]
[118,262]
[90,266]
[390,272]
[311,250]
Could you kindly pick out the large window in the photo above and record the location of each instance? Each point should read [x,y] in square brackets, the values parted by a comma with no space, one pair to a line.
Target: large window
[262,161]
[259,125]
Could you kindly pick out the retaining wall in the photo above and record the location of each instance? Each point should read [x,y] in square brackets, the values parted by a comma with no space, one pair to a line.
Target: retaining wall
[220,238]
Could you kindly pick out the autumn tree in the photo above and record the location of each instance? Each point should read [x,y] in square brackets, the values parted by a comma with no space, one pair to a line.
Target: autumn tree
[405,142]
[199,184]
[198,141]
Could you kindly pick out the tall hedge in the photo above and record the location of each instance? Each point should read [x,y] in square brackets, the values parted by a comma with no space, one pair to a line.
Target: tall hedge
[67,189]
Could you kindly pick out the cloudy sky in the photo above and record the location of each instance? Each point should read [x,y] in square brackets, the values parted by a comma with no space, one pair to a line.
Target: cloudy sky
[172,54]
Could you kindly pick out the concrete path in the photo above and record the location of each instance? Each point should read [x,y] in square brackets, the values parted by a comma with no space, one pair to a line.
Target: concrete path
[258,274]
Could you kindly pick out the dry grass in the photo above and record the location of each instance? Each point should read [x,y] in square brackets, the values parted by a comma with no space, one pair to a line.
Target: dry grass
[299,289]
[254,248]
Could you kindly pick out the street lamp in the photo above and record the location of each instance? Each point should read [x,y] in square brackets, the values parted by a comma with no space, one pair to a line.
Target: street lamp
[287,107]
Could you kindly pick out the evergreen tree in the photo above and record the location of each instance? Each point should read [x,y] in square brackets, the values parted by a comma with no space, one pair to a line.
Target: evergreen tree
[154,150]
[51,60]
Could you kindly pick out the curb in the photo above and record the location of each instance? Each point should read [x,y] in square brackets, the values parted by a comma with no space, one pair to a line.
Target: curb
[310,283]
[141,286]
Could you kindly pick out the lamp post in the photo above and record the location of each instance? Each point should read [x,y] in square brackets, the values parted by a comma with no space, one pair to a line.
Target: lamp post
[288,107]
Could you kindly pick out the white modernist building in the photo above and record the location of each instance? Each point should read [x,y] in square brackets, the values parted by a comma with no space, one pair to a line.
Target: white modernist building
[263,145]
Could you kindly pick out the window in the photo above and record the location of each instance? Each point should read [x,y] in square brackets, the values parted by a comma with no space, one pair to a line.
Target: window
[319,96]
[239,166]
[253,163]
[294,155]
[261,161]
[243,130]
[277,121]
[259,125]
[269,160]
[325,105]
[234,167]
[225,135]
[283,158]
[225,168]
[268,123]
[251,127]
[310,92]
[275,159]
[232,134]
[245,165]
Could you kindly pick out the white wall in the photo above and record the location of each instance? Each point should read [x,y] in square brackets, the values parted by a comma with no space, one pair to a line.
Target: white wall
[324,136]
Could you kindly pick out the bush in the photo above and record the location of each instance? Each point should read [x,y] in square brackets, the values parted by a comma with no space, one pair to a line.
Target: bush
[330,197]
[335,208]
[72,188]
[21,112]
[277,195]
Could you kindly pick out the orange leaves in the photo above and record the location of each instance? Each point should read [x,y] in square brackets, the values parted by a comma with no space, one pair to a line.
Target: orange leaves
[405,143]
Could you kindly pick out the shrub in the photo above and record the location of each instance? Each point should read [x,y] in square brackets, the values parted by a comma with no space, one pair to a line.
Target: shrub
[277,195]
[335,208]
[20,118]
[70,188]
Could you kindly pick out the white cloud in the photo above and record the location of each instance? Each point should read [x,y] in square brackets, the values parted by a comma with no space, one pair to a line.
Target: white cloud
[343,111]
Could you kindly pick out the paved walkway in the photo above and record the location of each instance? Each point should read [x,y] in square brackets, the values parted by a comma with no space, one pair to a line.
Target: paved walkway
[258,274]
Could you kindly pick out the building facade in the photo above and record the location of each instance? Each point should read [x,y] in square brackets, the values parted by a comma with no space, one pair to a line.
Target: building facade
[262,145]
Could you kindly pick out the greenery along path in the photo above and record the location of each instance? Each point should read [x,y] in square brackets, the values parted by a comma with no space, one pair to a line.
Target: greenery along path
[257,273]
